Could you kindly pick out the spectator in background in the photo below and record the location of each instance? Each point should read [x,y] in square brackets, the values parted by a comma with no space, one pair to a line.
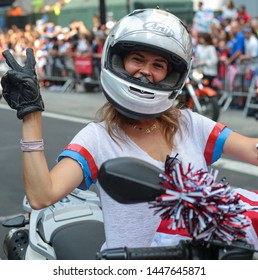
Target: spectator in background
[65,54]
[225,23]
[254,25]
[97,47]
[237,49]
[206,57]
[242,16]
[57,55]
[202,20]
[251,45]
[199,6]
[223,54]
[238,42]
[250,56]
[216,28]
[223,50]
[229,11]
[83,46]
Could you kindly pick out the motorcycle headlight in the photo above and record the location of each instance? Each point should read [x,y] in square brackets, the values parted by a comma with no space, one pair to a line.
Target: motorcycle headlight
[197,75]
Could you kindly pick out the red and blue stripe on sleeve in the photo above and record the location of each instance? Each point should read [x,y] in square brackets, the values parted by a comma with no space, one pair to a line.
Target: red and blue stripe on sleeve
[85,159]
[215,143]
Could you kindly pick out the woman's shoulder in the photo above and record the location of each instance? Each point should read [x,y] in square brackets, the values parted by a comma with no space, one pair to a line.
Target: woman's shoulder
[194,118]
[92,132]
[93,128]
[187,113]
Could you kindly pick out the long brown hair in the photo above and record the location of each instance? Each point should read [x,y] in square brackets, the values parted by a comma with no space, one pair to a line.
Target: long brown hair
[169,121]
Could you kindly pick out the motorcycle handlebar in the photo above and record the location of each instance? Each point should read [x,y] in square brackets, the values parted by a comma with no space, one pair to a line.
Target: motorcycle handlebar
[185,250]
[179,252]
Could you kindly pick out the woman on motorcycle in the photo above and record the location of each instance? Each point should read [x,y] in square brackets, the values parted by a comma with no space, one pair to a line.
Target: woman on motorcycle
[145,62]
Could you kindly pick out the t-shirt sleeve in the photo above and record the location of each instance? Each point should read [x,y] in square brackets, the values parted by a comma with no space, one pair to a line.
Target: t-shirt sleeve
[208,135]
[83,148]
[215,143]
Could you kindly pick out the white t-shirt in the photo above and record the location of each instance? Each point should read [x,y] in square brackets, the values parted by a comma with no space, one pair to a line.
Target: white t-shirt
[208,55]
[251,46]
[82,45]
[135,225]
[228,13]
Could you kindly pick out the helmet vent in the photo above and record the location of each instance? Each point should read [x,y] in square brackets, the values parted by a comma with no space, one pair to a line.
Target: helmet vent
[142,93]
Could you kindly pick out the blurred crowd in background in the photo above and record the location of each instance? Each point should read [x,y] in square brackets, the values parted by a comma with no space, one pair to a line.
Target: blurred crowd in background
[226,48]
[223,44]
[56,48]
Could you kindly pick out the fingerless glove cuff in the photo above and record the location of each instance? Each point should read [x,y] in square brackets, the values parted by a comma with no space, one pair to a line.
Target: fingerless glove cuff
[29,109]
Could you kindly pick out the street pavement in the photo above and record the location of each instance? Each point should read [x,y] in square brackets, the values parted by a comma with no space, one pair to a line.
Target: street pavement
[82,104]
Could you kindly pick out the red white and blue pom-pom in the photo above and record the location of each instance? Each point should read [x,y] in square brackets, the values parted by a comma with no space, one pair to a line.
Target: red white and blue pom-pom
[207,209]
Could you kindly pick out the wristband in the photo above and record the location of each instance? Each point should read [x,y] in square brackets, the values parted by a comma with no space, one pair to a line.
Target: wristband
[32,146]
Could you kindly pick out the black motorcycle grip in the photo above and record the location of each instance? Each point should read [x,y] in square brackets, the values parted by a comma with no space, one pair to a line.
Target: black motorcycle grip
[179,252]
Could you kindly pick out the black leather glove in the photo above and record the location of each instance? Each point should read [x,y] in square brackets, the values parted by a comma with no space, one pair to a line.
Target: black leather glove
[20,85]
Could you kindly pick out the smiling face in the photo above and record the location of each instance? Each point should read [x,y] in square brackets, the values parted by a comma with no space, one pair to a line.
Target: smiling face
[142,63]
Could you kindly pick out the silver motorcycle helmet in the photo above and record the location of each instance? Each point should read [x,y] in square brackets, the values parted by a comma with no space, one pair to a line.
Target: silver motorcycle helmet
[152,30]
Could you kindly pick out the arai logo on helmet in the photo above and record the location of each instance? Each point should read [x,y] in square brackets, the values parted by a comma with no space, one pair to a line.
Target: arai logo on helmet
[159,27]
